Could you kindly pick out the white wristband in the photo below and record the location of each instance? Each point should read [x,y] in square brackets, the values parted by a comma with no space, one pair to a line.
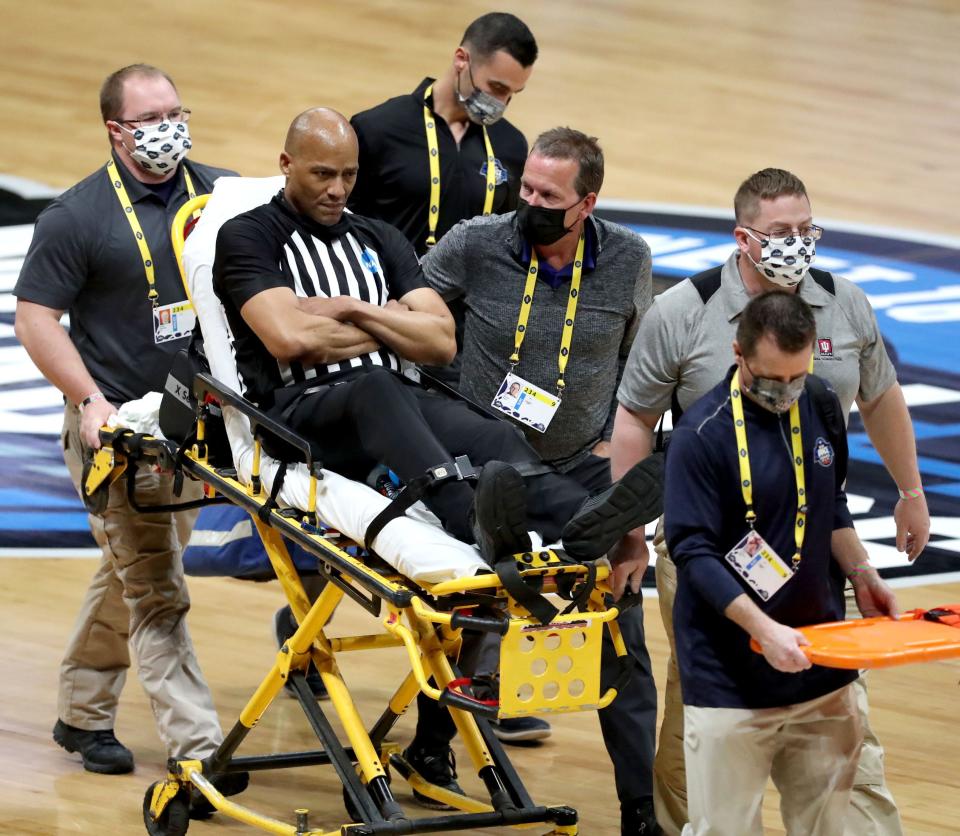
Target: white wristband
[89,399]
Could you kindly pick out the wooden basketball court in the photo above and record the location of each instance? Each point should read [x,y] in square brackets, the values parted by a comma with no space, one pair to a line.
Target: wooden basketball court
[859,98]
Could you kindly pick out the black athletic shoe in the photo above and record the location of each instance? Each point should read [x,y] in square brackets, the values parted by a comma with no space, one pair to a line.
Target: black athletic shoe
[284,626]
[602,520]
[520,729]
[228,783]
[100,750]
[499,515]
[436,766]
[637,818]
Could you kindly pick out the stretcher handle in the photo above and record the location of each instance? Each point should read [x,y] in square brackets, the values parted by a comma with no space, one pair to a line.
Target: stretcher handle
[485,708]
[478,624]
[204,384]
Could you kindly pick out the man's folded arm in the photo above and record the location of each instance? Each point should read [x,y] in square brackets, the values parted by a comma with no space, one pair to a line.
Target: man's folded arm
[290,333]
[419,328]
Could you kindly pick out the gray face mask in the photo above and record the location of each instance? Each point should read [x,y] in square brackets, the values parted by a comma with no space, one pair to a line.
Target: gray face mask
[774,395]
[481,107]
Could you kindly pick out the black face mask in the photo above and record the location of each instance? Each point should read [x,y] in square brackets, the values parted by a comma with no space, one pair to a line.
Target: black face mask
[541,225]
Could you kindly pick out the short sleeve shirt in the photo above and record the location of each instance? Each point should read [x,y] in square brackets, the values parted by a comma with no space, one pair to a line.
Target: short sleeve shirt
[684,345]
[275,246]
[84,259]
[393,183]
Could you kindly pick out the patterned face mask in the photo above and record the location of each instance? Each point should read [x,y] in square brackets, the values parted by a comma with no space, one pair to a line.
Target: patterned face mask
[158,148]
[775,395]
[784,261]
[481,107]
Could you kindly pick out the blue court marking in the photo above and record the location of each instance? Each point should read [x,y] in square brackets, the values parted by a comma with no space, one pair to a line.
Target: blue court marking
[43,521]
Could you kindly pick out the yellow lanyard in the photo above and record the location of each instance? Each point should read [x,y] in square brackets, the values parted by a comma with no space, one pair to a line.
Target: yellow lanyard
[134,222]
[568,320]
[433,146]
[746,483]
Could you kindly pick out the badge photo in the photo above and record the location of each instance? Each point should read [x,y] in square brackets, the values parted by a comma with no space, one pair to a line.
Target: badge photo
[755,560]
[525,402]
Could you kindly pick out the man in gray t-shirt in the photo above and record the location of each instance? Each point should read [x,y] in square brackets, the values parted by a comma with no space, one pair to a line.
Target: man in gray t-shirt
[553,297]
[682,350]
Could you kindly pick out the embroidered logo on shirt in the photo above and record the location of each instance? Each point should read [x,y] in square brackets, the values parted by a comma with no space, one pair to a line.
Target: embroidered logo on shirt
[825,347]
[500,173]
[823,452]
[368,261]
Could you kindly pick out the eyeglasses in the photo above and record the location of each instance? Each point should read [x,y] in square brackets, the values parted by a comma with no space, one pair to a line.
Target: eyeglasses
[811,231]
[178,114]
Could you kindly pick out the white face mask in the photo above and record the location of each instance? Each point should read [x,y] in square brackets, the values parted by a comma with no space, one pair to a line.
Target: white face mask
[784,261]
[159,148]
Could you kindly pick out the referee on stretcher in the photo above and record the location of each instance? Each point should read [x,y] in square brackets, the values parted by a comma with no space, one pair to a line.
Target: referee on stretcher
[322,304]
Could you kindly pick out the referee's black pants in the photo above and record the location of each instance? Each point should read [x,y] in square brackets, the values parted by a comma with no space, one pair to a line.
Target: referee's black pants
[380,417]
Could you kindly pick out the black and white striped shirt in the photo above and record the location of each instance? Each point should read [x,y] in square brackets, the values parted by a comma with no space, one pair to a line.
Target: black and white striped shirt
[274,246]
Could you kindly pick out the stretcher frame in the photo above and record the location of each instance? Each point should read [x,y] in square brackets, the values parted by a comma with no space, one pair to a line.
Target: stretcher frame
[425,620]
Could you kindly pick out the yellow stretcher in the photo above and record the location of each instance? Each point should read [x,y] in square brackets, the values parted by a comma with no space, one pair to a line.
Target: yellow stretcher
[544,667]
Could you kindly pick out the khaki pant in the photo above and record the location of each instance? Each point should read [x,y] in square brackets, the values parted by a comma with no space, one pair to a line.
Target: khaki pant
[809,749]
[873,811]
[138,596]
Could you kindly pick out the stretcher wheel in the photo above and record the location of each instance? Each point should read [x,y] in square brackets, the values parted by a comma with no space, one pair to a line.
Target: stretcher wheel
[95,503]
[175,818]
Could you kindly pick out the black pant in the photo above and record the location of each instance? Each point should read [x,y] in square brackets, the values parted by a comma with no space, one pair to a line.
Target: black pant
[383,418]
[628,724]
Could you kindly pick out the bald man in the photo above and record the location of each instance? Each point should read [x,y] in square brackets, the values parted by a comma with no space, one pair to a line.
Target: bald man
[324,305]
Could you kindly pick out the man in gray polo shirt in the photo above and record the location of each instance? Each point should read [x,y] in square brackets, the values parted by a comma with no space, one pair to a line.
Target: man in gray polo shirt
[102,252]
[683,348]
[553,297]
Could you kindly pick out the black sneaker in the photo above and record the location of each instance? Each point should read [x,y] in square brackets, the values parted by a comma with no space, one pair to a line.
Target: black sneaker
[436,766]
[227,783]
[602,520]
[499,514]
[521,729]
[284,626]
[637,818]
[100,750]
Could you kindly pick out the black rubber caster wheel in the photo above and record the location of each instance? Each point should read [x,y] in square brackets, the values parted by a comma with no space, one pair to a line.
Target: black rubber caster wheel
[175,818]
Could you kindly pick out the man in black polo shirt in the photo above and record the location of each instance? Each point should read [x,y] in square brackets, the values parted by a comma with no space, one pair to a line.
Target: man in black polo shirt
[444,153]
[102,252]
[425,165]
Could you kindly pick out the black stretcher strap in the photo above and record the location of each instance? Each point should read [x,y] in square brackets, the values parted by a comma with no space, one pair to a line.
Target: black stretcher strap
[131,477]
[264,511]
[523,592]
[578,595]
[414,490]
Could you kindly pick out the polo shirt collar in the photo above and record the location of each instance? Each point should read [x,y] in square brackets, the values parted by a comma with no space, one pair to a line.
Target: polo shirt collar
[138,191]
[421,89]
[734,295]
